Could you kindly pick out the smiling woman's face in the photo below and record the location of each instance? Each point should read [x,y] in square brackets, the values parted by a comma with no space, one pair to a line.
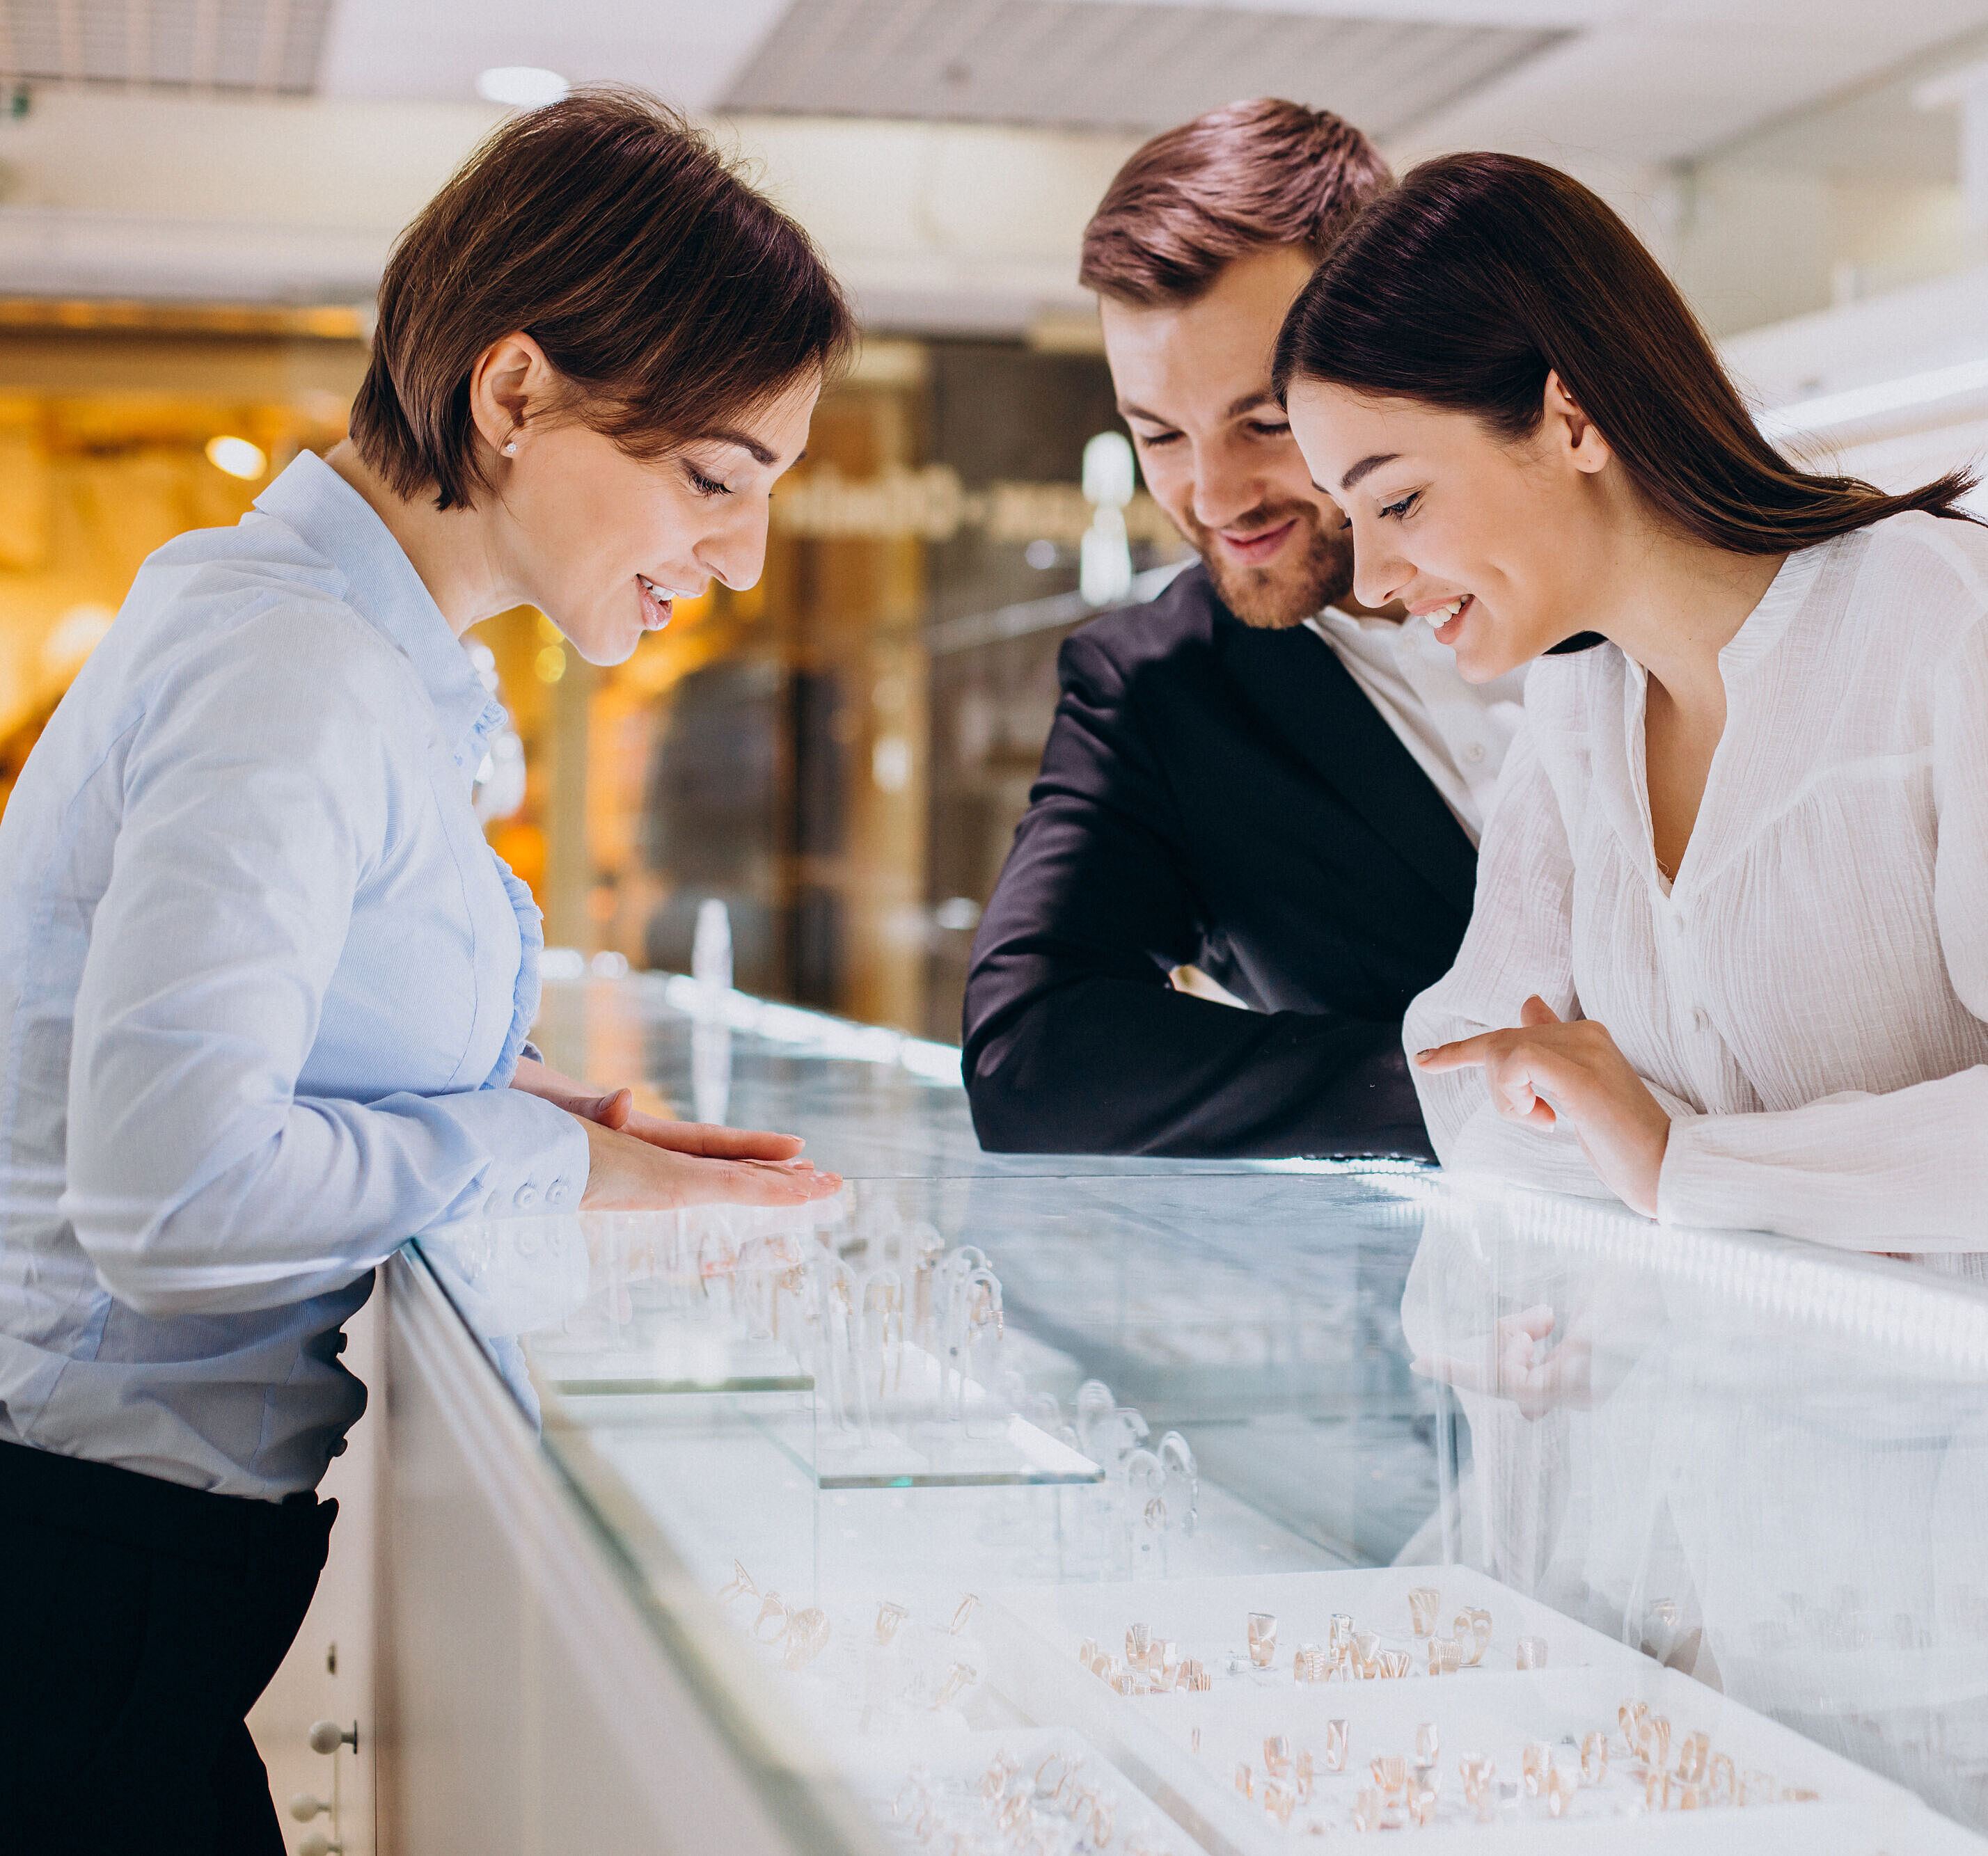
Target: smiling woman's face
[602,543]
[1501,546]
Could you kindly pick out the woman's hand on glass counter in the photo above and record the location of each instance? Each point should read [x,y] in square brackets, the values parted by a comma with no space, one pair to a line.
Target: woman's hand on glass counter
[638,1162]
[1544,1071]
[616,1109]
[626,1174]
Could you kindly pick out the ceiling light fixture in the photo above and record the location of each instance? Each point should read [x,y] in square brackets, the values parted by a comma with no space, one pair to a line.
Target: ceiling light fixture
[522,86]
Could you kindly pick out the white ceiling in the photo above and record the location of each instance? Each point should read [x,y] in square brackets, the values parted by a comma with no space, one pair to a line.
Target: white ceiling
[1664,80]
[1636,81]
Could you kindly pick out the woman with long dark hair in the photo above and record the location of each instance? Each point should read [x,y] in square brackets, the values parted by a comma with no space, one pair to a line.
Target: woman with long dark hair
[264,988]
[1730,956]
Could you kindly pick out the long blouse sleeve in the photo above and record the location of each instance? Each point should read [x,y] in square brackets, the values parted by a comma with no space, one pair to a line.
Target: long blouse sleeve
[1519,943]
[261,794]
[1906,1168]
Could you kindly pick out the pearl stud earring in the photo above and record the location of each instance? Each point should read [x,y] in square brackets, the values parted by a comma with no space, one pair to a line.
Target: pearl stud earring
[511,450]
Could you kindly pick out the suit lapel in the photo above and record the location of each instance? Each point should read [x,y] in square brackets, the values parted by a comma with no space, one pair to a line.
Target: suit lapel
[1295,680]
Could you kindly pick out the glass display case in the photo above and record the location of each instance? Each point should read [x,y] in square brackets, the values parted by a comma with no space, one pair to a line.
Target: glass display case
[1052,1506]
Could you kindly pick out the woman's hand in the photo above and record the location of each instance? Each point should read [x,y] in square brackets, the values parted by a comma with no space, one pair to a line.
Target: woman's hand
[616,1109]
[626,1174]
[1513,1366]
[1545,1071]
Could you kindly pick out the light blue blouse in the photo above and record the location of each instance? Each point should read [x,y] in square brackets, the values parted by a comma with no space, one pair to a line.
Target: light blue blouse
[262,985]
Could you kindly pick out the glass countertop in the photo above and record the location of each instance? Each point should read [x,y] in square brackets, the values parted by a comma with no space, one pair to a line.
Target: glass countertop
[1053,1505]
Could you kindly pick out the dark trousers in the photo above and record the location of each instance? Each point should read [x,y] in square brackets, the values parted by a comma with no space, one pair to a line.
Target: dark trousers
[139,1622]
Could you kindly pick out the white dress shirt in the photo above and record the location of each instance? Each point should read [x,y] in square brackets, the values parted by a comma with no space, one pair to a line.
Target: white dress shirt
[1459,732]
[262,984]
[1807,1000]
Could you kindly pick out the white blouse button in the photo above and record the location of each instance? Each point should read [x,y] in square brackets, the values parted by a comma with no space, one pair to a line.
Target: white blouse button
[555,1192]
[527,1197]
[1701,1019]
[1473,752]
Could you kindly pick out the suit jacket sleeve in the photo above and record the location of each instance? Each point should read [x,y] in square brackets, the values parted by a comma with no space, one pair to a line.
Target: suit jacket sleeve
[1075,1041]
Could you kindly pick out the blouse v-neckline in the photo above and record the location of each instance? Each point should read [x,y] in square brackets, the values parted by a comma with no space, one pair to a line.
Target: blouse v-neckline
[1758,633]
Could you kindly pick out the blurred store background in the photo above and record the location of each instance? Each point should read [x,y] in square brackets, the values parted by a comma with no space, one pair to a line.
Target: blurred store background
[197,196]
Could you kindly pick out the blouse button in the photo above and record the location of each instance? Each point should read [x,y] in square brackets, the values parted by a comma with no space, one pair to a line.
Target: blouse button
[528,1196]
[1473,751]
[555,1192]
[1701,1019]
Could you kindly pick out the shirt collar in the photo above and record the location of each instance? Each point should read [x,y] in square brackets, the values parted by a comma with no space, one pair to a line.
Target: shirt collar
[1760,630]
[318,506]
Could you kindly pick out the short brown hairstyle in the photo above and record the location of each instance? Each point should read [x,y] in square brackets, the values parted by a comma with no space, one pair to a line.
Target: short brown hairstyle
[1240,179]
[669,295]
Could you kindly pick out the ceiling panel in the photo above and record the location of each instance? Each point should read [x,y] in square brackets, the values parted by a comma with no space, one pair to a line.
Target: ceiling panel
[1115,64]
[1669,80]
[272,47]
[685,51]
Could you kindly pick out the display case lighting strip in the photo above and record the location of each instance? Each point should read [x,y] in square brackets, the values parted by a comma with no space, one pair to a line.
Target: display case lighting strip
[1857,403]
[1941,1319]
[817,1033]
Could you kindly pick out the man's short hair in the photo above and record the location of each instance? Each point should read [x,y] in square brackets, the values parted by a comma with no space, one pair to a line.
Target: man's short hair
[1240,179]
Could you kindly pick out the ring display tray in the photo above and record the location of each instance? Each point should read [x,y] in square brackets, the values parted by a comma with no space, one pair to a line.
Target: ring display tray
[1184,1749]
[950,1782]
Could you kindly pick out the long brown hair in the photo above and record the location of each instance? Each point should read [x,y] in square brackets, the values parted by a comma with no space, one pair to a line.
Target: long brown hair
[1481,273]
[670,295]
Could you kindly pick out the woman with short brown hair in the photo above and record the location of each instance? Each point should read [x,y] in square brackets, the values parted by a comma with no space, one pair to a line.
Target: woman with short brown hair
[1730,955]
[266,989]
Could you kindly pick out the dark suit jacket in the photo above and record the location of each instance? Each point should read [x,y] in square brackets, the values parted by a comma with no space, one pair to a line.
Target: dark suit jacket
[1225,796]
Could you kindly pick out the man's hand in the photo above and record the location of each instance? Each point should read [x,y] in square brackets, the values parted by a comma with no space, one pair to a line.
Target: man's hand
[616,1109]
[1544,1071]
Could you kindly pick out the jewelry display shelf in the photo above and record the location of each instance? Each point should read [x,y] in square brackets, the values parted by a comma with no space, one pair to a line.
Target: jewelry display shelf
[676,1360]
[1182,1749]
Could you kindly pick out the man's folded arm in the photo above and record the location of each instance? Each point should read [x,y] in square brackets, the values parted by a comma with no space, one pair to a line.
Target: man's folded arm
[1075,1041]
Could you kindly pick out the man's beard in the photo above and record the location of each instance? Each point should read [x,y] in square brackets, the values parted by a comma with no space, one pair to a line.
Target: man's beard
[1293,587]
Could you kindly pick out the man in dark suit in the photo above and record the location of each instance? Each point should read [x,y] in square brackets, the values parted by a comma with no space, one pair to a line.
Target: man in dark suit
[1249,778]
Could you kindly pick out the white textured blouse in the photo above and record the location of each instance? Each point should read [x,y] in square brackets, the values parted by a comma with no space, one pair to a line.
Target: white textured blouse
[1807,1000]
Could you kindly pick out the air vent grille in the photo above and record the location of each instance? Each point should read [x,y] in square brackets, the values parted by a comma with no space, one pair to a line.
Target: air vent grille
[1113,64]
[267,46]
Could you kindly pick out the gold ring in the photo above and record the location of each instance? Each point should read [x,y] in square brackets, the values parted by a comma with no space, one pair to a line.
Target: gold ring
[771,1606]
[806,1636]
[965,1611]
[1422,1603]
[961,1675]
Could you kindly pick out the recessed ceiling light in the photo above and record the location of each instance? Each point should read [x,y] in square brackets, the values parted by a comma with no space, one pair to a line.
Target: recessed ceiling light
[523,86]
[237,456]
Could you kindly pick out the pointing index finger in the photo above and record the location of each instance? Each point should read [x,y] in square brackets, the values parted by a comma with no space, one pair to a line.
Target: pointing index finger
[1468,1054]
